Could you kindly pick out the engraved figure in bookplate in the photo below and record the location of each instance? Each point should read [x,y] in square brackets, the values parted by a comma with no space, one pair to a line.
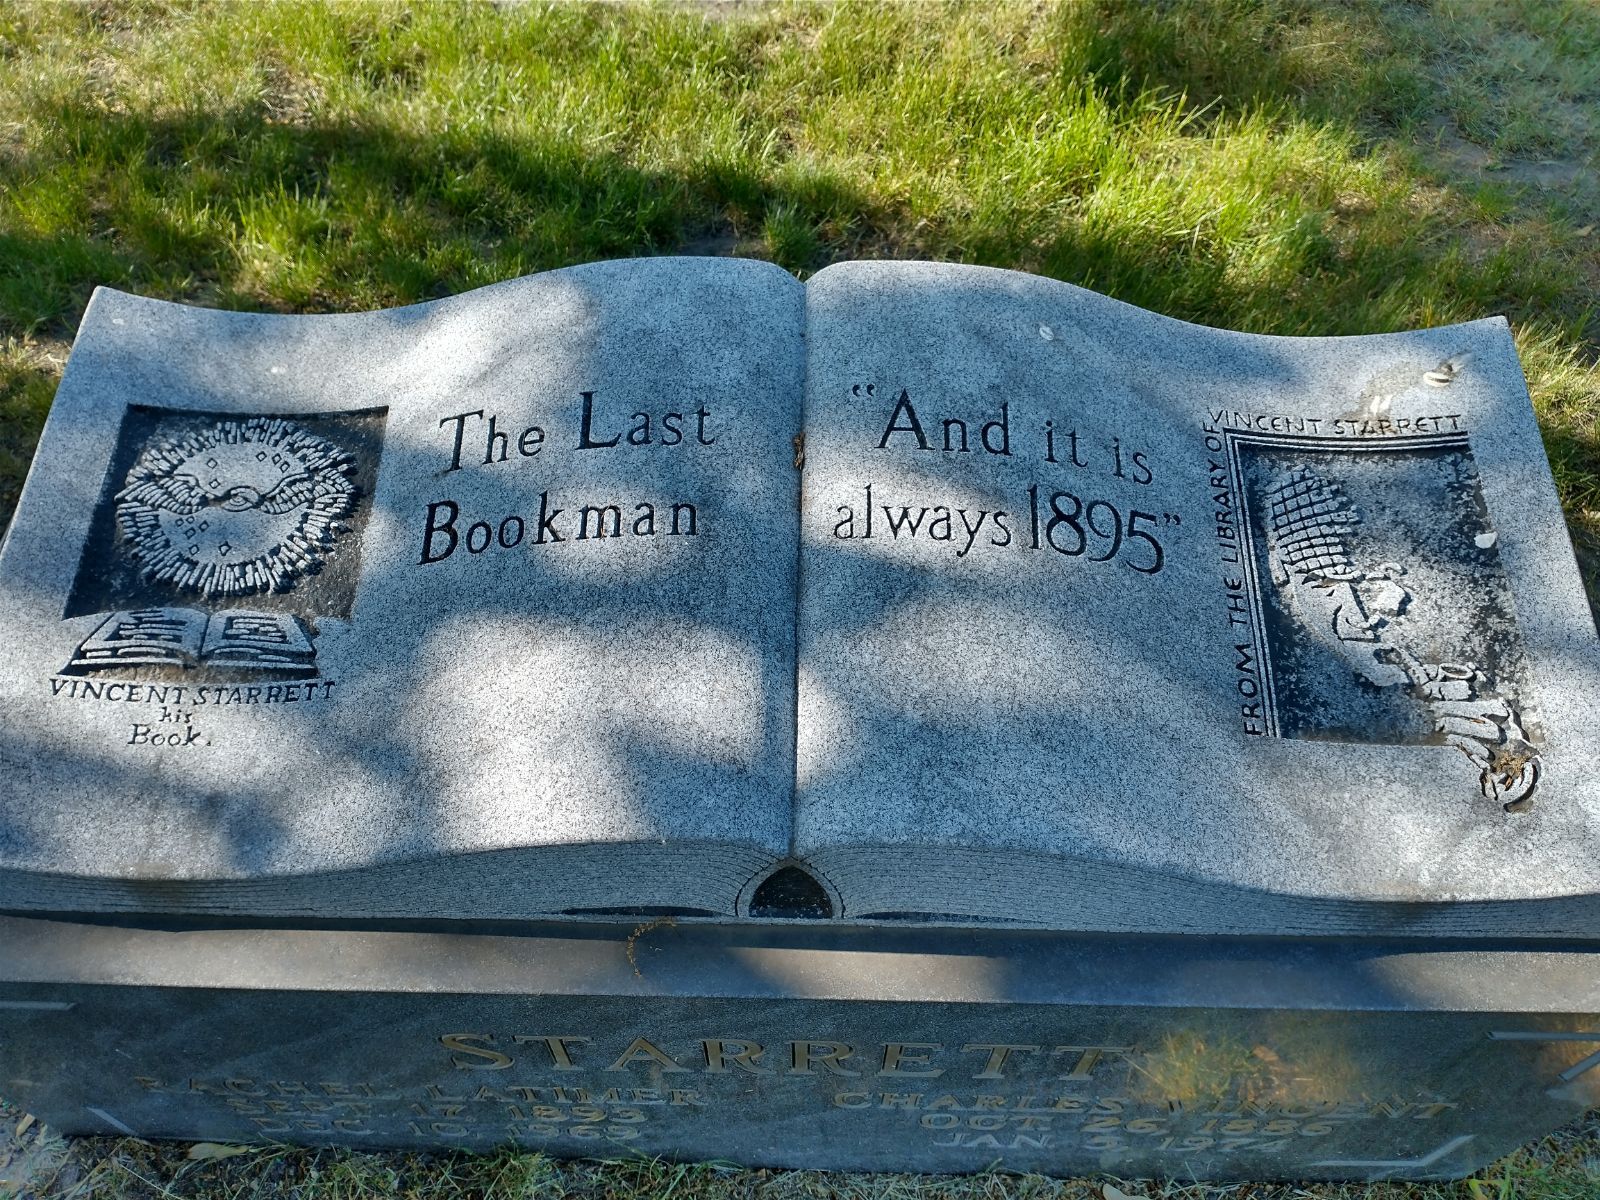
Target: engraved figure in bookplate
[1379,608]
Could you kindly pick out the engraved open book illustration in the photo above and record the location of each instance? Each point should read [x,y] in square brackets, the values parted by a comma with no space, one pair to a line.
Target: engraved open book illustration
[915,592]
[185,638]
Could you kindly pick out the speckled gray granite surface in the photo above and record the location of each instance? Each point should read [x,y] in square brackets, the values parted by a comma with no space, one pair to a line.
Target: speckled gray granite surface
[1144,607]
[289,595]
[487,607]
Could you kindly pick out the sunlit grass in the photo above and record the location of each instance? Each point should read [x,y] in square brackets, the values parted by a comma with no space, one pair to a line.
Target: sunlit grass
[1284,166]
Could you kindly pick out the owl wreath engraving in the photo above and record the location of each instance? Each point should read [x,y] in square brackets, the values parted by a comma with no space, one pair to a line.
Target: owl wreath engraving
[1358,613]
[240,507]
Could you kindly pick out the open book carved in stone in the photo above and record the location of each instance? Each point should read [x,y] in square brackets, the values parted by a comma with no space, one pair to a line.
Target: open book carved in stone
[915,592]
[234,639]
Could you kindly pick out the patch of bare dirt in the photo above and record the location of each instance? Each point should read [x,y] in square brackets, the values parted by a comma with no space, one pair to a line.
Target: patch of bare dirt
[1458,156]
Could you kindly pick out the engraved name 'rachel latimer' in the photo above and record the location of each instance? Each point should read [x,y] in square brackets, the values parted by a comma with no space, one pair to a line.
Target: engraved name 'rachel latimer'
[1110,1098]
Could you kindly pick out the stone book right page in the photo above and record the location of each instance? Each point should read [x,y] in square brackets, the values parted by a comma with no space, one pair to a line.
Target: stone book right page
[1110,621]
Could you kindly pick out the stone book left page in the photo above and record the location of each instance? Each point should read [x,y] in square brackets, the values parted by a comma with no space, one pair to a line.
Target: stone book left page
[480,608]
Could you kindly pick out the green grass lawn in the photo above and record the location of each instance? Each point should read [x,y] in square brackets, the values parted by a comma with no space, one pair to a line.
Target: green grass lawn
[1279,166]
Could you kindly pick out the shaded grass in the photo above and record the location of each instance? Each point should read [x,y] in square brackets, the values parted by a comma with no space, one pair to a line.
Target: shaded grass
[1281,166]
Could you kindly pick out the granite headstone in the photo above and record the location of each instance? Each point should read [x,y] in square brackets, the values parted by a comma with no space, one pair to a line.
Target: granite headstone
[927,718]
[814,1044]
